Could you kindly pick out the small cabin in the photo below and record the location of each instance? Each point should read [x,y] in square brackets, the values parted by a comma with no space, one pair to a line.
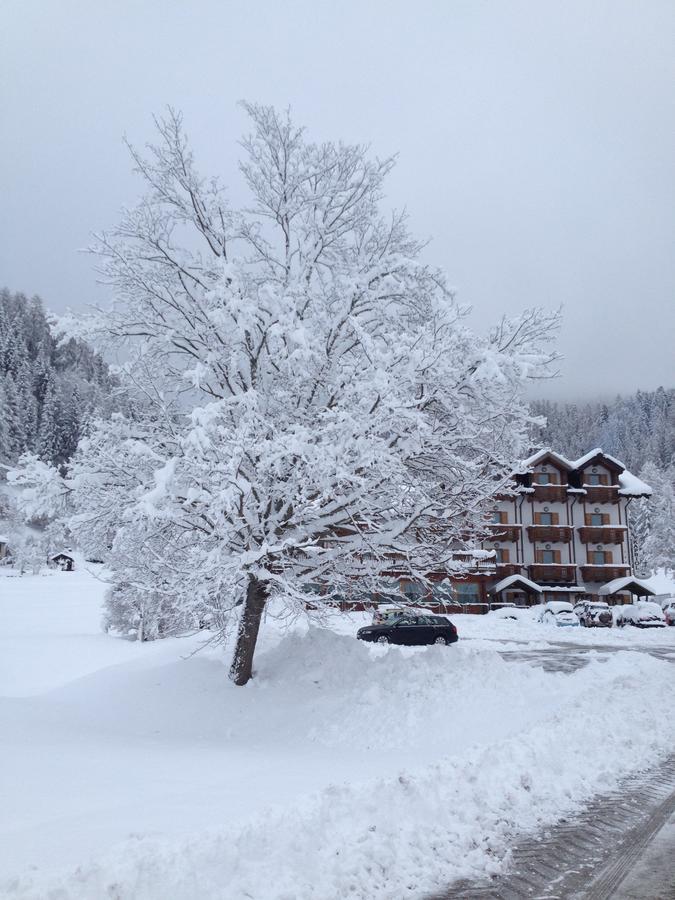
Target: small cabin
[63,561]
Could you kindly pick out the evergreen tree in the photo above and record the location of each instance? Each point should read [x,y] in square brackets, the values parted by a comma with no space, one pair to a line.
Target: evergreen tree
[50,389]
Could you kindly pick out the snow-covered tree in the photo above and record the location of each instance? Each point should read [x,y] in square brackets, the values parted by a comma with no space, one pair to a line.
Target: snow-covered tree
[313,411]
[49,387]
[657,539]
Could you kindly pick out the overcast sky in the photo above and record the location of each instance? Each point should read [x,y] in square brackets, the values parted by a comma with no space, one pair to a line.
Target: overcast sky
[536,141]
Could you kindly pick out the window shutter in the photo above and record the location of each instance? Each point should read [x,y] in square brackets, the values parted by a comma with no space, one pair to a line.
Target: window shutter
[608,556]
[588,520]
[555,518]
[605,518]
[556,556]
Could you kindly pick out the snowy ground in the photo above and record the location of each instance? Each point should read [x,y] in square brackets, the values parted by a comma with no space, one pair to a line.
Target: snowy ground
[342,770]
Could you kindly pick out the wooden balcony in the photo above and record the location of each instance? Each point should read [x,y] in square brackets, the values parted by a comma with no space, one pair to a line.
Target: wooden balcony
[602,493]
[602,534]
[553,573]
[604,573]
[549,533]
[504,570]
[549,493]
[505,532]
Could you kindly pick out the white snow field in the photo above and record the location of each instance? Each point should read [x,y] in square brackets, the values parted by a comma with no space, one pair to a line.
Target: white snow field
[342,770]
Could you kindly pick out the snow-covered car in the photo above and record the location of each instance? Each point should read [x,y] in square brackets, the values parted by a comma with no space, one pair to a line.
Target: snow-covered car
[669,613]
[560,613]
[642,614]
[386,613]
[594,614]
[509,612]
[410,629]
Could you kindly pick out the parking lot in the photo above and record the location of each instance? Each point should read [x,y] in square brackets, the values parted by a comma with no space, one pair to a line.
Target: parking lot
[621,847]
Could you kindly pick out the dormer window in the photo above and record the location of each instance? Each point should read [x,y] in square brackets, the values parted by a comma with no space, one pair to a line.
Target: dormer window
[594,479]
[542,478]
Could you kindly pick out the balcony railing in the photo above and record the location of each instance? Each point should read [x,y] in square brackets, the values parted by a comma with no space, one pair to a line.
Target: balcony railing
[604,573]
[602,493]
[549,493]
[505,532]
[602,534]
[549,533]
[553,573]
[504,570]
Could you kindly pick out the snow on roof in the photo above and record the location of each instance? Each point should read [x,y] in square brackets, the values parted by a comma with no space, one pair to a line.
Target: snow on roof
[626,583]
[68,553]
[541,454]
[587,457]
[561,588]
[632,486]
[515,579]
[3,539]
[570,463]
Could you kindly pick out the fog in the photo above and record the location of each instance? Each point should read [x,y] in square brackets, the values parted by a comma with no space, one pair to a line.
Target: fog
[536,143]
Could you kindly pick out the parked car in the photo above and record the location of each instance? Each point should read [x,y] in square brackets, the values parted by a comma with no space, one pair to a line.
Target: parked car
[509,611]
[669,613]
[594,614]
[386,613]
[642,614]
[411,629]
[560,613]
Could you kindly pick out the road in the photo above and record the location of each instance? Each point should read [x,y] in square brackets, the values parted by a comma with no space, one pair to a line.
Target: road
[621,847]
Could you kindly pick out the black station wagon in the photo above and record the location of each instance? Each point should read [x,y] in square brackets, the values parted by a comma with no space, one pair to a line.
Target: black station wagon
[411,629]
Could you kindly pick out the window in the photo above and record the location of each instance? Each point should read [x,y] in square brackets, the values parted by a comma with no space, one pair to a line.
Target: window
[542,478]
[547,556]
[597,519]
[599,557]
[414,591]
[467,592]
[502,556]
[546,518]
[593,479]
[498,517]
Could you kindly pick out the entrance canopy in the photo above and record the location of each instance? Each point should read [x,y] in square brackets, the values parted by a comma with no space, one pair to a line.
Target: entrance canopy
[516,582]
[633,585]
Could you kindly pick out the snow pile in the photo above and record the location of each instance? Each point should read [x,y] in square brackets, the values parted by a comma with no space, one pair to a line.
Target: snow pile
[523,748]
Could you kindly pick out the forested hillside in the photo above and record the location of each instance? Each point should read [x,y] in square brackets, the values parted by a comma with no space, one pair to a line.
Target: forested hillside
[636,429]
[48,389]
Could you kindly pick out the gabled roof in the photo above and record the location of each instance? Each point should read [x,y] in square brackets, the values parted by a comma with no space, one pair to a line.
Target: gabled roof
[634,585]
[512,580]
[547,455]
[598,456]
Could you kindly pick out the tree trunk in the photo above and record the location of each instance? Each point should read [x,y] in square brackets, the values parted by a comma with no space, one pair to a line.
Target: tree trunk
[247,635]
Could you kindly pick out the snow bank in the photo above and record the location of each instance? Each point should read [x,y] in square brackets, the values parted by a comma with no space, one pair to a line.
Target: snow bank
[523,748]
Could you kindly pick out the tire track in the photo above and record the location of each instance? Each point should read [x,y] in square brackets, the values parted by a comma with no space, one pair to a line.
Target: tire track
[588,856]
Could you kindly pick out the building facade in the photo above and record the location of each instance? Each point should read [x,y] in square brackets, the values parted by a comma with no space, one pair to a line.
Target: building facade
[564,532]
